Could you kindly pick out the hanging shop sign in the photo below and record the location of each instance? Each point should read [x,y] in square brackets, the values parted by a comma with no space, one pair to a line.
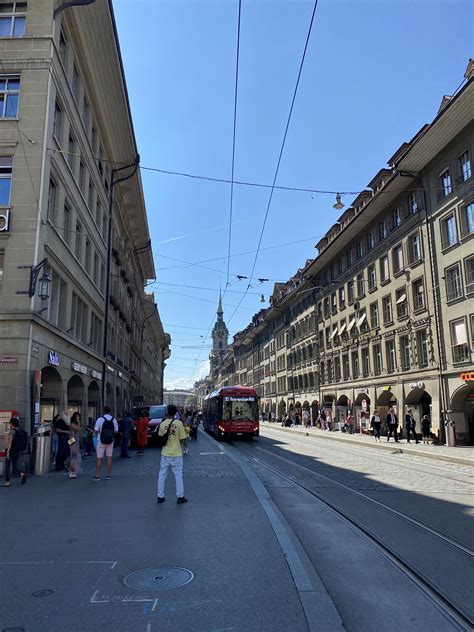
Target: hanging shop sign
[414,385]
[79,368]
[53,358]
[467,377]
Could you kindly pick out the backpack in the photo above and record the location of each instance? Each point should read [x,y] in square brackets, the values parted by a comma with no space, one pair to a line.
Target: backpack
[107,432]
[162,440]
[21,440]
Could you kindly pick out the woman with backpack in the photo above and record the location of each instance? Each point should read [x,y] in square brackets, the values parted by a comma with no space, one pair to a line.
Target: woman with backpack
[17,444]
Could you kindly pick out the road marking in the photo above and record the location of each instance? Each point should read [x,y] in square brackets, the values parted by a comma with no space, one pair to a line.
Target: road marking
[148,627]
[210,453]
[22,563]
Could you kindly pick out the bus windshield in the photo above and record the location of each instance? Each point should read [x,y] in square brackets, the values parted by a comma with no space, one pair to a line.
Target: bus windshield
[239,409]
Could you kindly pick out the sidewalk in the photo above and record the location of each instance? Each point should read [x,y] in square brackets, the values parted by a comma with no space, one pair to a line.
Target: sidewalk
[464,455]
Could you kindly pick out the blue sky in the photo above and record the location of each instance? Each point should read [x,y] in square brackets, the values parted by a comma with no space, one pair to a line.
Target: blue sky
[375,72]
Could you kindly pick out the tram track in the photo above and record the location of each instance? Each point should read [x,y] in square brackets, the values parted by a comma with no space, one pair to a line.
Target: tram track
[384,457]
[426,577]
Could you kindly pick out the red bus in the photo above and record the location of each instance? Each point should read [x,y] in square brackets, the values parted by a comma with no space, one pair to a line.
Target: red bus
[231,411]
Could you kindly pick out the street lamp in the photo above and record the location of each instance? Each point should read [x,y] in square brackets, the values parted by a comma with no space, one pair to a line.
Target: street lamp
[44,283]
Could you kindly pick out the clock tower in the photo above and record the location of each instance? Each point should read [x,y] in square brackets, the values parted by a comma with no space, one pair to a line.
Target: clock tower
[220,337]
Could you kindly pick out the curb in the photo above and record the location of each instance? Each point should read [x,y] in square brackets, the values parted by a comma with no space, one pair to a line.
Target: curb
[376,446]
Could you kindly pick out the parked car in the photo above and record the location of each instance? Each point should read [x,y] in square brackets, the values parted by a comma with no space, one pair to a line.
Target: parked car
[155,413]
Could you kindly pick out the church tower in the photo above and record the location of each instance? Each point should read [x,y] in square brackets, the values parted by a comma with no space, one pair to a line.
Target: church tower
[220,338]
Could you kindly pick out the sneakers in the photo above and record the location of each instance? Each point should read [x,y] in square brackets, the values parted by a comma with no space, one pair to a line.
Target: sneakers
[7,484]
[160,500]
[181,500]
[96,478]
[108,477]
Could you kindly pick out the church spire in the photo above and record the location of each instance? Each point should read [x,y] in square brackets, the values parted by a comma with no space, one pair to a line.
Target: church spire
[220,311]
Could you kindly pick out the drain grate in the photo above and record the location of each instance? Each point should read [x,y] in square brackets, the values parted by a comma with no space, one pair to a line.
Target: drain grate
[160,578]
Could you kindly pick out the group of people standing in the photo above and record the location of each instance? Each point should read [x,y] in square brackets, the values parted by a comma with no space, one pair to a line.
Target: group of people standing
[392,424]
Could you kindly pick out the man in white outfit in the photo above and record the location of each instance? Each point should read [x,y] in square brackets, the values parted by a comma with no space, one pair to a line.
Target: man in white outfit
[172,455]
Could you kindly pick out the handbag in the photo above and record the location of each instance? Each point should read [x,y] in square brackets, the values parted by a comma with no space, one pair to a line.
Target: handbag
[72,441]
[162,440]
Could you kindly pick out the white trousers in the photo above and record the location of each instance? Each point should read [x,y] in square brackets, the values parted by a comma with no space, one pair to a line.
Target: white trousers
[176,464]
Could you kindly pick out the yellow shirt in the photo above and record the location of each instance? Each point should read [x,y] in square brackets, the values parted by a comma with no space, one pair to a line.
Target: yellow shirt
[176,435]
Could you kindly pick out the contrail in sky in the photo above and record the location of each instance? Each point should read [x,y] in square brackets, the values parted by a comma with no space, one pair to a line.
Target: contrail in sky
[205,230]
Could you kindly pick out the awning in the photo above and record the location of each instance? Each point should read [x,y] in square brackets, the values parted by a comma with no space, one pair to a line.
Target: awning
[351,324]
[361,319]
[401,299]
[343,328]
[333,333]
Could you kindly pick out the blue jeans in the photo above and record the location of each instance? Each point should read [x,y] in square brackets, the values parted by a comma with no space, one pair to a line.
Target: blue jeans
[54,447]
[124,444]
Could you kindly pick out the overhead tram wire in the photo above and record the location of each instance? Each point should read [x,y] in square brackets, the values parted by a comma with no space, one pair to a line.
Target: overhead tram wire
[233,145]
[303,57]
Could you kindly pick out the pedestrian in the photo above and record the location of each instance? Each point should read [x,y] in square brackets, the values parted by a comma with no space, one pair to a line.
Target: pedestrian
[425,429]
[306,417]
[62,431]
[410,425]
[141,426]
[74,443]
[376,424]
[54,440]
[105,428]
[172,455]
[392,424]
[350,423]
[125,427]
[16,447]
[297,419]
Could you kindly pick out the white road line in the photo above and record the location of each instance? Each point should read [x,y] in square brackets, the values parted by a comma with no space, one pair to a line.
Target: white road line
[148,627]
[154,605]
[22,563]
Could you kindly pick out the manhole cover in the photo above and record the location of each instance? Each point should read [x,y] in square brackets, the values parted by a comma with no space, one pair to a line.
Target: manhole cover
[43,593]
[160,578]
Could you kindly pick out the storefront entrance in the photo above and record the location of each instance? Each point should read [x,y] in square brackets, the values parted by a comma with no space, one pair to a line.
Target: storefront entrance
[462,413]
[50,394]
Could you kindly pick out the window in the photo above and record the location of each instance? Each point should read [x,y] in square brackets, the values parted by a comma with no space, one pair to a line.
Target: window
[467,220]
[459,344]
[78,244]
[422,348]
[345,366]
[51,213]
[86,114]
[469,269]
[444,184]
[326,307]
[365,362]
[401,303]
[104,226]
[387,310]
[396,221]
[384,272]
[102,277]
[382,231]
[374,315]
[67,224]
[464,166]
[397,259]
[414,248]
[372,277]
[75,82]
[63,48]
[412,204]
[370,240]
[82,176]
[359,250]
[332,272]
[418,293]
[349,258]
[93,139]
[355,364]
[9,96]
[95,269]
[391,356]
[341,265]
[333,304]
[377,355]
[6,168]
[360,286]
[337,369]
[57,301]
[71,148]
[91,199]
[96,332]
[12,19]
[87,256]
[342,297]
[322,376]
[454,289]
[2,266]
[449,233]
[350,292]
[405,352]
[57,124]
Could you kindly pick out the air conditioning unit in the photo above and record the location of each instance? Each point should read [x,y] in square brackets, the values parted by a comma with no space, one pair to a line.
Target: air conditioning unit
[4,220]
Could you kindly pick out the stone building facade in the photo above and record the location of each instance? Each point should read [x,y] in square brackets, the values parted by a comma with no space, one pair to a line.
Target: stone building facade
[65,127]
[384,315]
